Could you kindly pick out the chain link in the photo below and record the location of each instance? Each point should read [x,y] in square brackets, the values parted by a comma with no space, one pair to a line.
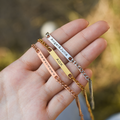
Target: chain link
[43,43]
[77,82]
[67,88]
[80,69]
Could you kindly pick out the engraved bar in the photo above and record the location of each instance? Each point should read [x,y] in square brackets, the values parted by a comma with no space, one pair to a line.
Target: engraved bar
[58,46]
[47,65]
[59,62]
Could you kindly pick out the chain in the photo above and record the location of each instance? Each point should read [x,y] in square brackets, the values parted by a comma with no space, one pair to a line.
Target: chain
[88,105]
[67,88]
[87,78]
[76,81]
[43,43]
[78,104]
[80,69]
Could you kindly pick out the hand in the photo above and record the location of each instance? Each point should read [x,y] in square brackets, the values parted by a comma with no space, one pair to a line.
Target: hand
[27,90]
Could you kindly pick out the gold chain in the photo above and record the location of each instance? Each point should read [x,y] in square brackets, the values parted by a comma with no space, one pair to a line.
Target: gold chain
[69,74]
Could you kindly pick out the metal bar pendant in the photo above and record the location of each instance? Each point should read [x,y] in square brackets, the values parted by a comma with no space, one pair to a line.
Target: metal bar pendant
[59,62]
[58,46]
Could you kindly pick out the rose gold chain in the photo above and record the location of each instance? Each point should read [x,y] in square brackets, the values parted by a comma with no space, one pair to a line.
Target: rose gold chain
[57,78]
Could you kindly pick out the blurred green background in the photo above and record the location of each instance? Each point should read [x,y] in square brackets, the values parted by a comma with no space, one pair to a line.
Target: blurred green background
[20,25]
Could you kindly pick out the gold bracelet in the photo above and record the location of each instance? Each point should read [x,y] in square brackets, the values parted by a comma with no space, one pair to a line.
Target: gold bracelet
[67,72]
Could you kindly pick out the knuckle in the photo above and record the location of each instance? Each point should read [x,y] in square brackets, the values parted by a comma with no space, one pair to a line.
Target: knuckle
[60,99]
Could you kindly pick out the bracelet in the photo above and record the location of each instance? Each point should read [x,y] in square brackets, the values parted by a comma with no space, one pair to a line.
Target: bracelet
[70,59]
[55,76]
[67,72]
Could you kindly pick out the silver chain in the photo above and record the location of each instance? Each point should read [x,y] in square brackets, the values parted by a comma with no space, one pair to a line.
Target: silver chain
[80,69]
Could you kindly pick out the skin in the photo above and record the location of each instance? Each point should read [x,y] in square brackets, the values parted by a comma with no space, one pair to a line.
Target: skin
[27,90]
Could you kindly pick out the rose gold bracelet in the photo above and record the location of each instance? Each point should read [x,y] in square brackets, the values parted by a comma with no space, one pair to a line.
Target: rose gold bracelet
[57,78]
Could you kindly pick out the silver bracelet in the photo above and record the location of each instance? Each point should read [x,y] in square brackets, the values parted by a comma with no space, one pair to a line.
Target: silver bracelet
[70,59]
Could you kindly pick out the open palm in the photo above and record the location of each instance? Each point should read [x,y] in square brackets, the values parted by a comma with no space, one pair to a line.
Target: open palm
[27,90]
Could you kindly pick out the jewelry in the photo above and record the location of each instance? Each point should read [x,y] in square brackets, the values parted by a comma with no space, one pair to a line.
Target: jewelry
[67,72]
[55,76]
[61,64]
[50,69]
[70,59]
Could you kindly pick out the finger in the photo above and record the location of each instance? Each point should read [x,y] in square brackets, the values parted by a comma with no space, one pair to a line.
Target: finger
[90,53]
[85,37]
[31,60]
[60,101]
[76,44]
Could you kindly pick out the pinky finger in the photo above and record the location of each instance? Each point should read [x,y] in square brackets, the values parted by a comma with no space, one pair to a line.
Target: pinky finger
[60,101]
